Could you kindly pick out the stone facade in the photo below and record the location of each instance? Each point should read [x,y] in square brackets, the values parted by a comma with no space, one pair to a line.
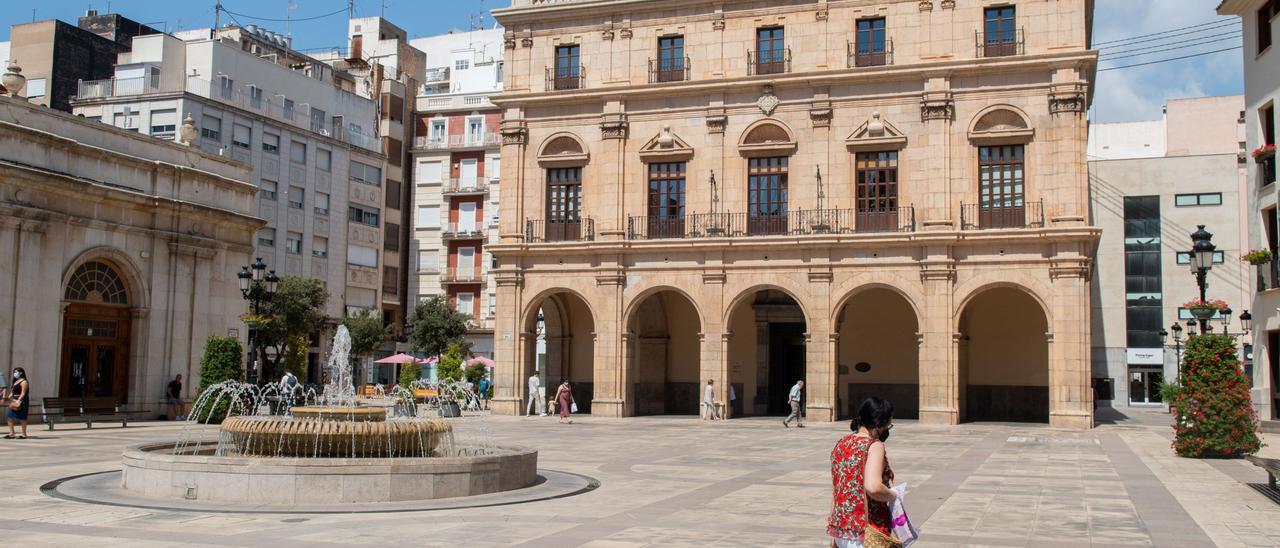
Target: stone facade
[120,256]
[765,263]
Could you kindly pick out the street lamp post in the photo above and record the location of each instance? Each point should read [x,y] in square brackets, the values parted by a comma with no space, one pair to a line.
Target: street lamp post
[1177,341]
[258,286]
[1202,249]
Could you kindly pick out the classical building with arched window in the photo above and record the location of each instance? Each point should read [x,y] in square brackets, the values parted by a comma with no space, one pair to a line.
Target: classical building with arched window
[119,256]
[878,197]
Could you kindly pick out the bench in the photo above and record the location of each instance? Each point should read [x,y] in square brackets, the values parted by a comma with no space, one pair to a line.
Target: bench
[1272,466]
[84,410]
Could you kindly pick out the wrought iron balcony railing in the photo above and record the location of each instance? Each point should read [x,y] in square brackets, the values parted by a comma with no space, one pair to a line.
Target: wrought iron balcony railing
[999,44]
[868,55]
[985,217]
[566,78]
[540,230]
[793,223]
[769,61]
[668,70]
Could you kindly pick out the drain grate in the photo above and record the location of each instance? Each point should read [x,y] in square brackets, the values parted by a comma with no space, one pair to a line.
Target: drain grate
[1266,491]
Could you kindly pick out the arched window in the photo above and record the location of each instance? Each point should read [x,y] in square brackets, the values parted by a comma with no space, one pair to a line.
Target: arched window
[96,282]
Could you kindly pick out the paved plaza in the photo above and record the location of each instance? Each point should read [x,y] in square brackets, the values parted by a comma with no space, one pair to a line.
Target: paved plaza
[675,481]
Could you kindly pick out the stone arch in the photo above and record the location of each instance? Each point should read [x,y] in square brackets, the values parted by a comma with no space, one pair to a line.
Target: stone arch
[563,149]
[967,291]
[138,296]
[565,348]
[663,358]
[750,293]
[639,298]
[768,347]
[533,303]
[767,137]
[1003,338]
[852,287]
[877,354]
[1001,122]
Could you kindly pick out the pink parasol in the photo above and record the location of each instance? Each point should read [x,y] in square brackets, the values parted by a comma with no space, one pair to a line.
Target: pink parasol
[399,358]
[481,360]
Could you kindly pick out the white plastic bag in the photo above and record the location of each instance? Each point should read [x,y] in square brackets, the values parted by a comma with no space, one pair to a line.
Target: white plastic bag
[902,527]
[573,408]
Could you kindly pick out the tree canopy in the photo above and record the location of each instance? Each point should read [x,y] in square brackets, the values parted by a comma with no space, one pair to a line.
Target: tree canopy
[367,332]
[296,310]
[436,326]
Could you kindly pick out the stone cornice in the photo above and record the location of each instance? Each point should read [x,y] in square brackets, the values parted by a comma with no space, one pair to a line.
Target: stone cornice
[833,77]
[43,218]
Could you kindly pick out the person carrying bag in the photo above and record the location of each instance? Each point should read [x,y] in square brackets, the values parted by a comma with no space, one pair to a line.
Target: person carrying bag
[861,479]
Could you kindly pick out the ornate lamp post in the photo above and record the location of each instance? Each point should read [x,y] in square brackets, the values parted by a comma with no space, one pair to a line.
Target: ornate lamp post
[258,286]
[1177,341]
[1201,262]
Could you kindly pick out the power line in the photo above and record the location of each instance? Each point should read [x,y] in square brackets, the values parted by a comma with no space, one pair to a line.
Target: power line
[286,20]
[1206,24]
[1167,47]
[1168,37]
[1171,59]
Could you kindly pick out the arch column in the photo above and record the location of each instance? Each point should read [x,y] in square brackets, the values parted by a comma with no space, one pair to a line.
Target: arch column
[512,347]
[940,374]
[1070,391]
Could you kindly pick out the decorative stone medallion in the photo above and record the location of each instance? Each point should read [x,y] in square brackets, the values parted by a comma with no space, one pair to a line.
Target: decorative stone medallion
[768,102]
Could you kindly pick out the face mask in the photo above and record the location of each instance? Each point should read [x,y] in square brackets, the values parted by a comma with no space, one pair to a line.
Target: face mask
[17,375]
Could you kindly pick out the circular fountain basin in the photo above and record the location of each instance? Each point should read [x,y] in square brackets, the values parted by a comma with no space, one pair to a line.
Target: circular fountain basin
[154,471]
[369,413]
[272,436]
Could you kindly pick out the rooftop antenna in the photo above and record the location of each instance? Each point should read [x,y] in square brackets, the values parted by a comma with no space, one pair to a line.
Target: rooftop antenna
[351,9]
[288,17]
[217,15]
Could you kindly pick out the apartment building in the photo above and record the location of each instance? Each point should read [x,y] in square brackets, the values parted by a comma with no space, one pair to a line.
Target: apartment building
[1151,183]
[456,158]
[312,142]
[1260,21]
[884,198]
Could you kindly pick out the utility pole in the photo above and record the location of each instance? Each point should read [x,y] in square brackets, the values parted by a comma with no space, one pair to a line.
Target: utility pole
[217,16]
[351,9]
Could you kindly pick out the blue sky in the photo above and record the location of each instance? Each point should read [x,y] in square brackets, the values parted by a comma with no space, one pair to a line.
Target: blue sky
[1125,94]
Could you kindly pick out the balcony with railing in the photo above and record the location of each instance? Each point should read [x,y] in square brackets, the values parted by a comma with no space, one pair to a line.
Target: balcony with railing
[463,231]
[566,78]
[770,61]
[999,44]
[540,230]
[486,139]
[454,102]
[298,115]
[870,55]
[454,275]
[459,186]
[668,70]
[437,74]
[980,217]
[800,222]
[117,87]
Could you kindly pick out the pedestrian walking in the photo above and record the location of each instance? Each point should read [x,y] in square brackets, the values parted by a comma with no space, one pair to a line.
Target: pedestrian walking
[861,481]
[733,400]
[793,399]
[173,398]
[19,403]
[709,400]
[535,397]
[564,399]
[484,392]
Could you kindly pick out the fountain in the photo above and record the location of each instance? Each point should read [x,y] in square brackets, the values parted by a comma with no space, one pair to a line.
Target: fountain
[335,447]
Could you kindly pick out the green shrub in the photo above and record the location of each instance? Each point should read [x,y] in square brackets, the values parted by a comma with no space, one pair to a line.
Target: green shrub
[450,367]
[1213,415]
[220,363]
[409,372]
[295,358]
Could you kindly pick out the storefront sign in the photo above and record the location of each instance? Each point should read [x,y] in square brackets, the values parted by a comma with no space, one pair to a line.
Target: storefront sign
[1145,356]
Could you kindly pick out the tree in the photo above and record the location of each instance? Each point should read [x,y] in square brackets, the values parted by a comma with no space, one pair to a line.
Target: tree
[1213,415]
[296,310]
[474,371]
[220,363]
[295,358]
[436,326]
[367,332]
[450,367]
[409,372]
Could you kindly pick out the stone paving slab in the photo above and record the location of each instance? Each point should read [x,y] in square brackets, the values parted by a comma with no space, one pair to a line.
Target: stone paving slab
[675,481]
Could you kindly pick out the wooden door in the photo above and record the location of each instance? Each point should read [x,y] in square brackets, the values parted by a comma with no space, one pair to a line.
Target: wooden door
[95,353]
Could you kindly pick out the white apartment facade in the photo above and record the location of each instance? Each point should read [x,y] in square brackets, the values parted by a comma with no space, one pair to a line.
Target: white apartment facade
[456,159]
[312,143]
[1260,20]
[1151,184]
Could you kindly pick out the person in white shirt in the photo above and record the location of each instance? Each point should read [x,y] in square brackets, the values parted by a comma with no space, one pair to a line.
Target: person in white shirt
[793,398]
[709,400]
[535,397]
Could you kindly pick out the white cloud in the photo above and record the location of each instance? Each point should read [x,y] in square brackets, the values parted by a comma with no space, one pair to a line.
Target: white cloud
[1138,93]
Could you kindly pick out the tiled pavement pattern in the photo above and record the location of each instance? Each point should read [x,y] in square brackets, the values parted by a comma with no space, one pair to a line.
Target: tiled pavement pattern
[683,482]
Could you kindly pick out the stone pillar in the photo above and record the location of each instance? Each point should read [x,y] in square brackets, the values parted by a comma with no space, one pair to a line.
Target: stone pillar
[1070,392]
[515,139]
[511,347]
[608,207]
[723,367]
[627,376]
[940,384]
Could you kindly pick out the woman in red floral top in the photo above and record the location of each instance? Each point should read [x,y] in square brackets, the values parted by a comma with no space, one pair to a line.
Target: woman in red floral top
[861,476]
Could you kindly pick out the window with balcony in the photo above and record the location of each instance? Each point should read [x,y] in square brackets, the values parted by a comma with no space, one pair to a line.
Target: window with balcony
[771,55]
[255,96]
[365,215]
[322,203]
[296,195]
[293,243]
[324,159]
[211,128]
[876,191]
[564,204]
[226,87]
[366,174]
[666,207]
[439,130]
[1001,202]
[870,47]
[568,70]
[268,189]
[267,237]
[671,63]
[241,135]
[297,152]
[767,195]
[475,131]
[1000,36]
[466,304]
[319,247]
[164,123]
[270,143]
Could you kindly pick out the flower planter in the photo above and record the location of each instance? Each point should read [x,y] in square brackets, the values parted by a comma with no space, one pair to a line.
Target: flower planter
[1202,312]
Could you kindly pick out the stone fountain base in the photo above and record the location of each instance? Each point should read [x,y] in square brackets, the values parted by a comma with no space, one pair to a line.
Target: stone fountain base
[154,471]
